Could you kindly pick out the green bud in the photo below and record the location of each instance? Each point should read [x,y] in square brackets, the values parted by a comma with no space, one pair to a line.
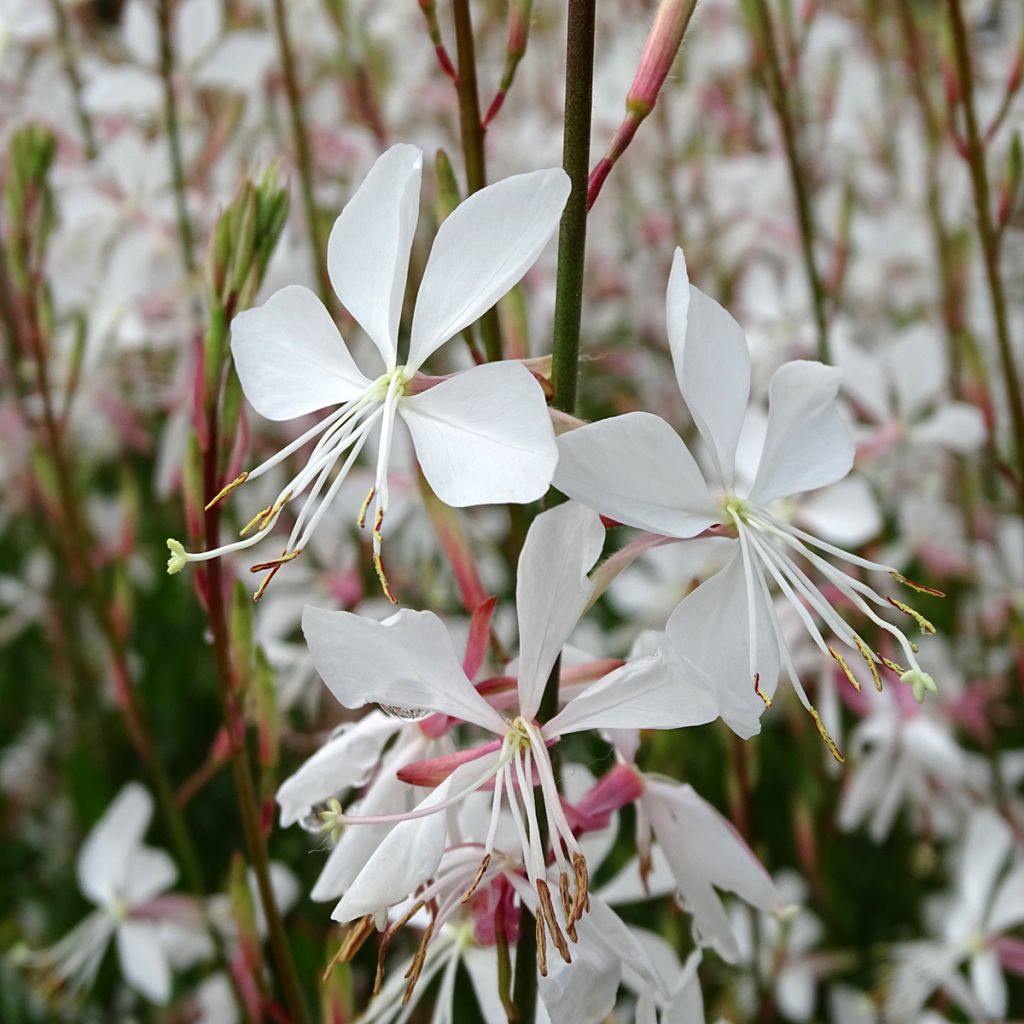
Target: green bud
[447,186]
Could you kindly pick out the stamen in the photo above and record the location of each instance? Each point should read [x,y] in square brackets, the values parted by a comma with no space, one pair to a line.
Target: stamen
[581,902]
[350,945]
[841,661]
[823,732]
[892,666]
[924,625]
[563,890]
[542,945]
[413,974]
[386,938]
[366,504]
[480,871]
[919,587]
[757,689]
[226,490]
[870,658]
[281,559]
[547,910]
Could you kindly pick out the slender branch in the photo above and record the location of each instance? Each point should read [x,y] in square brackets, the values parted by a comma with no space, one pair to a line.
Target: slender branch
[472,131]
[174,137]
[74,78]
[986,231]
[300,140]
[779,95]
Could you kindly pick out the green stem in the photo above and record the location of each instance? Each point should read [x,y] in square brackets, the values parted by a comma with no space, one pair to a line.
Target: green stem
[73,77]
[471,130]
[174,137]
[986,229]
[779,96]
[300,140]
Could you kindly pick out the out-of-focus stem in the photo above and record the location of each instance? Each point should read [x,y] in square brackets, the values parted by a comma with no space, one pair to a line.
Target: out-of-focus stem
[472,132]
[174,137]
[519,13]
[74,79]
[779,96]
[300,140]
[986,230]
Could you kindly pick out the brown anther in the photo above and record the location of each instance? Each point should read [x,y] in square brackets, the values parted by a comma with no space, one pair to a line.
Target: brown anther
[542,946]
[261,515]
[919,587]
[365,505]
[757,689]
[870,659]
[281,559]
[351,944]
[226,490]
[923,624]
[385,941]
[823,732]
[385,586]
[547,912]
[413,974]
[892,666]
[646,866]
[581,902]
[261,589]
[841,662]
[484,865]
[563,890]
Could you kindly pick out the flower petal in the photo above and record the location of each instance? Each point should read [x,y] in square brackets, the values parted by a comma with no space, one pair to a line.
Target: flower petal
[808,444]
[958,426]
[147,873]
[406,661]
[658,691]
[368,251]
[636,469]
[711,627]
[143,960]
[481,250]
[484,436]
[290,358]
[552,590]
[712,364]
[114,838]
[988,983]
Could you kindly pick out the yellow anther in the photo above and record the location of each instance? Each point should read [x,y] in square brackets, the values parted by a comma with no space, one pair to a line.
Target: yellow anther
[365,506]
[385,586]
[892,666]
[870,659]
[919,587]
[757,689]
[924,625]
[823,732]
[841,662]
[225,491]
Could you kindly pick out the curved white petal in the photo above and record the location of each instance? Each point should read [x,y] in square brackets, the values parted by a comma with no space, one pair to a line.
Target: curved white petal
[290,358]
[406,661]
[147,873]
[114,838]
[957,426]
[482,249]
[368,251]
[143,960]
[552,590]
[636,469]
[657,691]
[846,514]
[988,983]
[711,627]
[989,842]
[484,436]
[808,445]
[1008,905]
[712,364]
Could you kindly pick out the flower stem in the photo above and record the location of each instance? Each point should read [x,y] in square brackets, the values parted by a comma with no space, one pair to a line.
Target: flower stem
[174,137]
[300,140]
[472,131]
[74,78]
[986,231]
[780,100]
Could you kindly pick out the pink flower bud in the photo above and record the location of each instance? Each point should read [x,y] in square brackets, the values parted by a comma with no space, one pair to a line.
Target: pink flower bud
[659,54]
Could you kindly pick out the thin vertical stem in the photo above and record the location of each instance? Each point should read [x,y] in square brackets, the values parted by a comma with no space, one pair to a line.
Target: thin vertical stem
[779,96]
[986,229]
[174,137]
[471,130]
[74,78]
[300,140]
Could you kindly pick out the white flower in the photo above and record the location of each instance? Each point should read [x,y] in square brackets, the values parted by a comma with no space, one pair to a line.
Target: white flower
[409,661]
[120,876]
[636,469]
[483,436]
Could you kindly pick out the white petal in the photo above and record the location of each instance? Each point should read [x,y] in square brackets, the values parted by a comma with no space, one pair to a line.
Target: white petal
[114,838]
[552,590]
[1008,905]
[988,843]
[988,983]
[582,992]
[484,436]
[482,966]
[636,469]
[710,627]
[846,514]
[368,251]
[122,90]
[140,32]
[808,445]
[481,250]
[198,25]
[406,661]
[957,426]
[410,853]
[143,960]
[147,873]
[864,377]
[344,761]
[239,62]
[658,691]
[712,364]
[290,358]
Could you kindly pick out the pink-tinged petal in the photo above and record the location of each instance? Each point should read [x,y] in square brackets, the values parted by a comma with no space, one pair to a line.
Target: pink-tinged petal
[144,962]
[552,590]
[481,250]
[614,790]
[712,363]
[479,637]
[433,771]
[113,840]
[406,661]
[1011,954]
[705,852]
[658,691]
[484,436]
[290,358]
[711,627]
[368,251]
[808,444]
[636,469]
